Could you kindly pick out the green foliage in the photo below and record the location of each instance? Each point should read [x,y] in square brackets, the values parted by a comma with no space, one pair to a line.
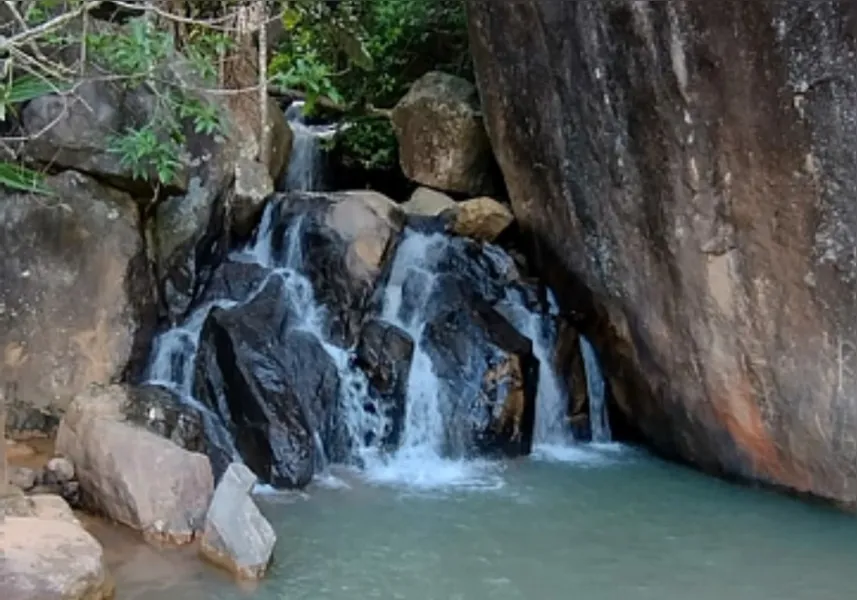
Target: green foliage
[369,141]
[366,53]
[135,52]
[145,152]
[144,56]
[22,179]
[203,49]
[24,88]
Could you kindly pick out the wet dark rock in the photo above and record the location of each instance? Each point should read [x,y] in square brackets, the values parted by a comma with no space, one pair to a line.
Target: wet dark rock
[384,353]
[569,362]
[488,372]
[343,242]
[189,240]
[233,280]
[313,378]
[271,385]
[163,412]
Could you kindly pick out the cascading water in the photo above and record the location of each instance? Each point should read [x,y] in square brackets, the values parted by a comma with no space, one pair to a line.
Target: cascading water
[305,170]
[598,420]
[551,427]
[419,462]
[433,449]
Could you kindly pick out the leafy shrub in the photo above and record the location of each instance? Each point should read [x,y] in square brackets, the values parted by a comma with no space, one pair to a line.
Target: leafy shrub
[364,54]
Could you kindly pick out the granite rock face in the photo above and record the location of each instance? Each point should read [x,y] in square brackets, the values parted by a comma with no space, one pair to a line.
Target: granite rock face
[686,171]
[76,305]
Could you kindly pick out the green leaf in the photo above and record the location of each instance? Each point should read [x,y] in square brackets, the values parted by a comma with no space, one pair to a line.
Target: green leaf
[21,178]
[29,87]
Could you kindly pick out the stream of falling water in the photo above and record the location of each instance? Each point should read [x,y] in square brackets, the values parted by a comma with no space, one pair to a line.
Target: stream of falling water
[423,459]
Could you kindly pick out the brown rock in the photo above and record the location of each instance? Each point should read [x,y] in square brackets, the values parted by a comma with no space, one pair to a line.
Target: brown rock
[691,165]
[51,559]
[70,311]
[481,219]
[244,131]
[41,506]
[132,475]
[442,141]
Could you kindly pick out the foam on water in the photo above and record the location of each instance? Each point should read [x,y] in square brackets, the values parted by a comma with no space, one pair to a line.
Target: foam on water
[420,468]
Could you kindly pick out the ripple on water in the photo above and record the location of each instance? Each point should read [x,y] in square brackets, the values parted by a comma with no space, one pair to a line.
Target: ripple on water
[421,470]
[582,455]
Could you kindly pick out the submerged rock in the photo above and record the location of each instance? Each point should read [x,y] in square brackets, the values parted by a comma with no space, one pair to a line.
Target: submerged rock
[132,475]
[237,536]
[442,141]
[243,374]
[76,305]
[490,377]
[384,353]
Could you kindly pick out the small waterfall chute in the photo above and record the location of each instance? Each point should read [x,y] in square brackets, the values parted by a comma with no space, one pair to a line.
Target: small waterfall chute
[305,171]
[599,422]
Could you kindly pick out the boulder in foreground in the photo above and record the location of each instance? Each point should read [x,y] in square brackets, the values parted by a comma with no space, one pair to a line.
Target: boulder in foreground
[237,536]
[130,474]
[46,553]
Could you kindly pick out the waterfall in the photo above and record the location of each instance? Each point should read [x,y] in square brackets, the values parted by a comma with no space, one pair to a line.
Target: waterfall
[595,387]
[305,170]
[430,273]
[552,401]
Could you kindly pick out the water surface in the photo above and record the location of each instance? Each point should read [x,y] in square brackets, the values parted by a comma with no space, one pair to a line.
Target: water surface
[600,524]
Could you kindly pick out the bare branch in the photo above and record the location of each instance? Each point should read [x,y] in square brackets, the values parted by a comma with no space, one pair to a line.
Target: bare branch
[47,26]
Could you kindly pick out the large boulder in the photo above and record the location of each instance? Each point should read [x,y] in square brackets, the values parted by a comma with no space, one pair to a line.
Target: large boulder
[237,536]
[47,554]
[74,131]
[76,304]
[272,385]
[130,474]
[442,141]
[51,559]
[688,167]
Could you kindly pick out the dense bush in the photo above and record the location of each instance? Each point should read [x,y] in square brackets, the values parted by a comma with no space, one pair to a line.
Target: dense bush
[361,55]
